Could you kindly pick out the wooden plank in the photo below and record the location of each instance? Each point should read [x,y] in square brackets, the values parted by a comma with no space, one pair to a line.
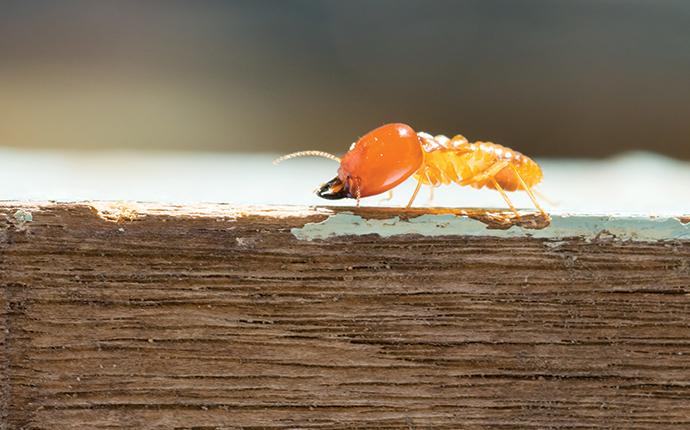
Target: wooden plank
[222,317]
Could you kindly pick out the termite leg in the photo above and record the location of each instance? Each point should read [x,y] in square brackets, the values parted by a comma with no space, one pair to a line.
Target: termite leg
[489,174]
[505,197]
[545,198]
[354,185]
[388,198]
[486,174]
[431,187]
[414,195]
[431,195]
[529,191]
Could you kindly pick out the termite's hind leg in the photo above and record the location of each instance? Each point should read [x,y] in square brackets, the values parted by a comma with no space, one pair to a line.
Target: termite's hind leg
[544,198]
[529,192]
[414,195]
[430,200]
[488,173]
[505,197]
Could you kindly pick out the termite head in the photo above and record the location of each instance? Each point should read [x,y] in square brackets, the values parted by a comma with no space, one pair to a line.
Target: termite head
[376,163]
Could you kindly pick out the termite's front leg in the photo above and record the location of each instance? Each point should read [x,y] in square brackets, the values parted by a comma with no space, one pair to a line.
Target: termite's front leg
[414,195]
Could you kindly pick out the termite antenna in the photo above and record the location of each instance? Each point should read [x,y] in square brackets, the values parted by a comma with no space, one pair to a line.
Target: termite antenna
[306,154]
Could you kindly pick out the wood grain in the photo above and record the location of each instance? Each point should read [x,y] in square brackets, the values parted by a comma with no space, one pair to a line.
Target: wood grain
[217,317]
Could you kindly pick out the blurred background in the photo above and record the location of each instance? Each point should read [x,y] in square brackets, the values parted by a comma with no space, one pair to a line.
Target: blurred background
[159,100]
[567,79]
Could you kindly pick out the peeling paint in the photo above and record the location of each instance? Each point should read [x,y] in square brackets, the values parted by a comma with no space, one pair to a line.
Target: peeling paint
[23,216]
[588,227]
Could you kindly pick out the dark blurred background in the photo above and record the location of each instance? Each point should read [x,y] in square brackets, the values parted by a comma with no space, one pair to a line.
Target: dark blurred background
[550,78]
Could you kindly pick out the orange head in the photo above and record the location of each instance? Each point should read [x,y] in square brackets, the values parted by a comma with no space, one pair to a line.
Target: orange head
[376,163]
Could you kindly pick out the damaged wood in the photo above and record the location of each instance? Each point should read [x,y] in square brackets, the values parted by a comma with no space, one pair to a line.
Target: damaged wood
[138,316]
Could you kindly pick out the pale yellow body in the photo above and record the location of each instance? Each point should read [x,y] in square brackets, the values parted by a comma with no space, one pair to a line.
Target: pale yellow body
[458,161]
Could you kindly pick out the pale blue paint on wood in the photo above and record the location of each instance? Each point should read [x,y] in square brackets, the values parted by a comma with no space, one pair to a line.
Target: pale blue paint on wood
[587,227]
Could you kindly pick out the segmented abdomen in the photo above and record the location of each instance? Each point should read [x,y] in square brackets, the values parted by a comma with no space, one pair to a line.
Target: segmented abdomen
[456,160]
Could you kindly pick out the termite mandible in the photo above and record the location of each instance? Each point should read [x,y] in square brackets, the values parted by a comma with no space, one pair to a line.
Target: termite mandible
[386,156]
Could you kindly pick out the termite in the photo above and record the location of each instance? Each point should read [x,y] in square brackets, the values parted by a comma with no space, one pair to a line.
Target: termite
[386,156]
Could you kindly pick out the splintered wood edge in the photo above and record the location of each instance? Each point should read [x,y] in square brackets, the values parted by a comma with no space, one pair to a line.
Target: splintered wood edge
[323,222]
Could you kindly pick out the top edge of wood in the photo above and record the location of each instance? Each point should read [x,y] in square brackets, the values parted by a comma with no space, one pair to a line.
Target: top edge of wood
[283,211]
[323,222]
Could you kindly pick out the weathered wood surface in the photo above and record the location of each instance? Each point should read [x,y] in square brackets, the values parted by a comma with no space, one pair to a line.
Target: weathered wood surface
[221,318]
